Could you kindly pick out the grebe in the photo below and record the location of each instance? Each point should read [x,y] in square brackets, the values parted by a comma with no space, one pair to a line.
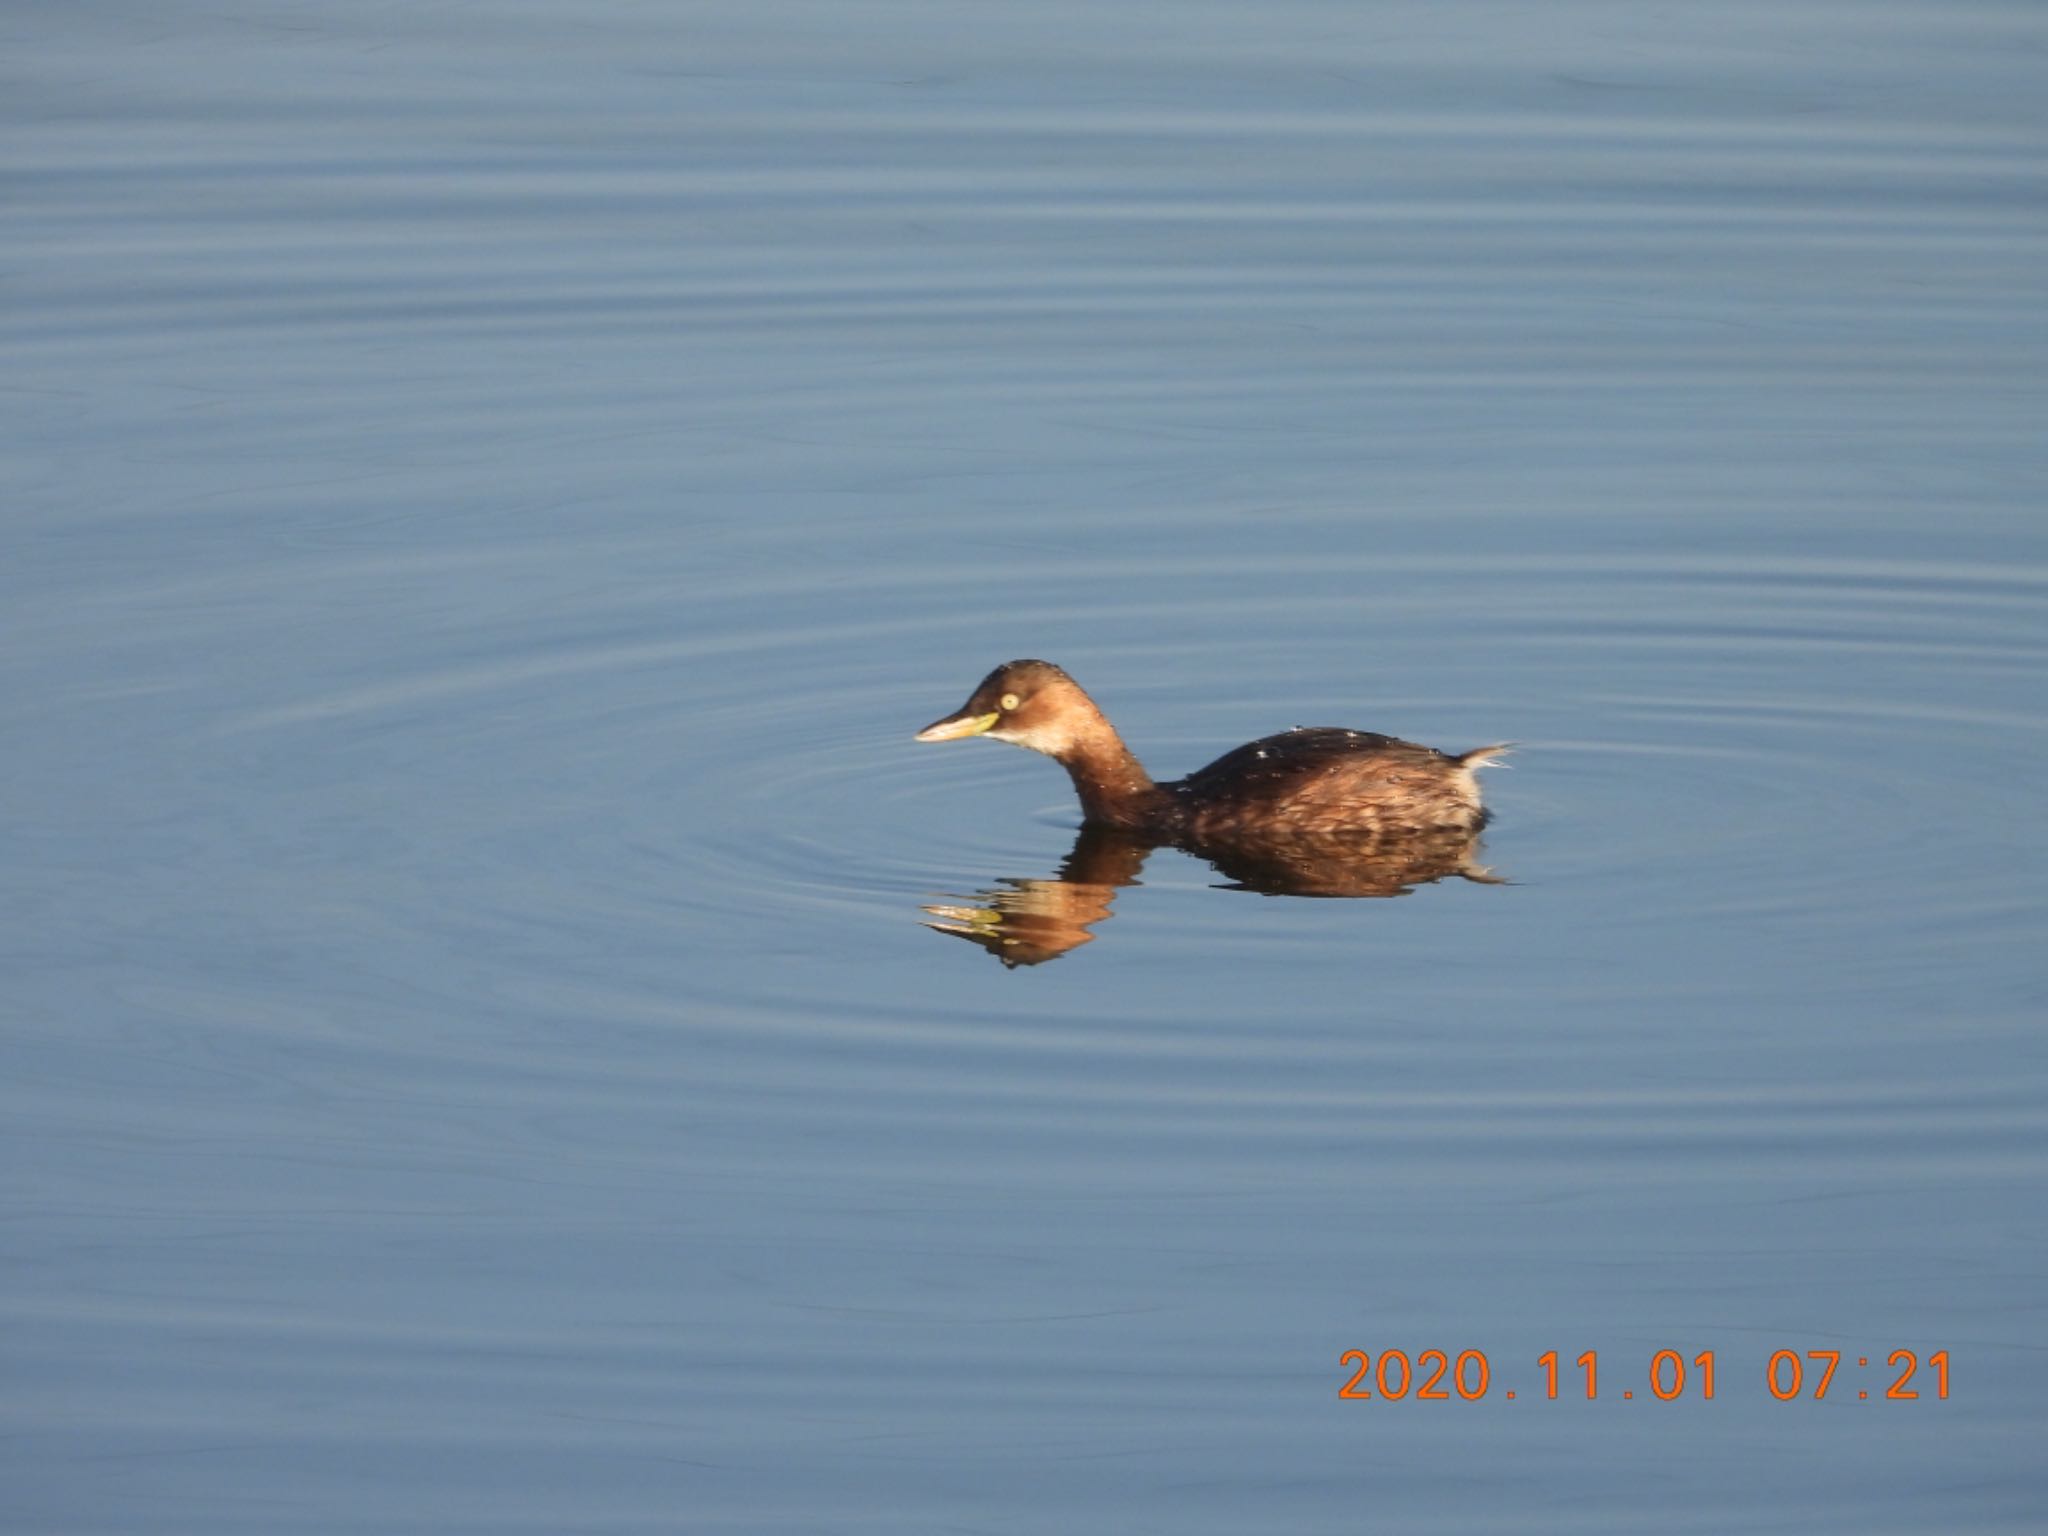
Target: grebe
[1307,781]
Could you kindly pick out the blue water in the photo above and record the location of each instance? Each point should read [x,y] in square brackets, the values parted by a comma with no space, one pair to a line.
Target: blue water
[490,492]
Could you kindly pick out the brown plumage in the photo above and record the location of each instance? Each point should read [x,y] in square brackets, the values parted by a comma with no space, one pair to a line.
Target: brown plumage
[1302,782]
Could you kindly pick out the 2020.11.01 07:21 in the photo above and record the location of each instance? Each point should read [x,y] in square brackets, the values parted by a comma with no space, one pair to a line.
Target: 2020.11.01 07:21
[1433,1376]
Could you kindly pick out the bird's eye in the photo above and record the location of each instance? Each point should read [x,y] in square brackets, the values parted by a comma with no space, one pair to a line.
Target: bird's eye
[1011,701]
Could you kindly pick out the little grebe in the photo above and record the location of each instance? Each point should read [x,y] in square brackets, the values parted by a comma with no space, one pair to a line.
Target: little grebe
[1310,780]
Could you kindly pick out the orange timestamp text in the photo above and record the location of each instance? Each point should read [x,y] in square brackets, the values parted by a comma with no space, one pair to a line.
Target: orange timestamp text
[1435,1375]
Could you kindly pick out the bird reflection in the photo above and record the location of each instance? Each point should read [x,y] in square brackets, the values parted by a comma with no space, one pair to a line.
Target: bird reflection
[1027,922]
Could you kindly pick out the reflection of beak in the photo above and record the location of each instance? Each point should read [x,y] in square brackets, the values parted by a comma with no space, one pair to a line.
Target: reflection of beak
[953,727]
[965,920]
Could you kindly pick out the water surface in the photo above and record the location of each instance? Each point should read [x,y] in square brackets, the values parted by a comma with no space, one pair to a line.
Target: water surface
[491,492]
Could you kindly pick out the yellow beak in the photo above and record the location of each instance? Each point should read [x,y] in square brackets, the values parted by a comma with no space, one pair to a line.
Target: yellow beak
[953,727]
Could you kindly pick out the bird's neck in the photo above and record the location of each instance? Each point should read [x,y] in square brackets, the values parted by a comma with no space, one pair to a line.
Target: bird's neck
[1114,787]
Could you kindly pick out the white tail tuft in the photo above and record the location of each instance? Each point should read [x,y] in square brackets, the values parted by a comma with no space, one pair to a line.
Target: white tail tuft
[1483,757]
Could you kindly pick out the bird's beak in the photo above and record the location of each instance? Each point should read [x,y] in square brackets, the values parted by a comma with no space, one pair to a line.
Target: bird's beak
[953,727]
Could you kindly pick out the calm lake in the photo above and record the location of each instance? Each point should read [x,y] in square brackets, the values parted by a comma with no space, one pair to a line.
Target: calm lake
[490,491]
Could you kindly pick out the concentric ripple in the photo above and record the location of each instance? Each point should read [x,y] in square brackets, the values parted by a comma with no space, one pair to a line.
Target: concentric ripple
[1796,745]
